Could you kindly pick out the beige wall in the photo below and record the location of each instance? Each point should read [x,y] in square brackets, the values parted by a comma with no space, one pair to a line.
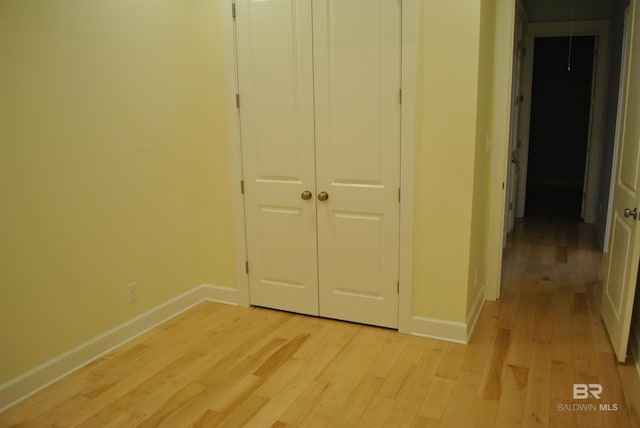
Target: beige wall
[114,164]
[214,215]
[455,103]
[484,132]
[113,167]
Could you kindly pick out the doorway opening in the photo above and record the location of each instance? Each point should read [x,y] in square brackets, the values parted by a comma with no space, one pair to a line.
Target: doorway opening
[560,124]
[605,26]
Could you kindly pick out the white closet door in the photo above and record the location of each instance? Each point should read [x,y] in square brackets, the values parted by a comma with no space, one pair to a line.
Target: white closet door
[275,74]
[356,47]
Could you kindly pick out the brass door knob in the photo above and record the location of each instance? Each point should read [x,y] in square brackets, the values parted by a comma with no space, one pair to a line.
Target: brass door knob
[323,196]
[627,212]
[306,195]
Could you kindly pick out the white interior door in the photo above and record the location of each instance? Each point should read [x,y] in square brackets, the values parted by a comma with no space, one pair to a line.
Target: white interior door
[514,136]
[275,74]
[357,104]
[624,256]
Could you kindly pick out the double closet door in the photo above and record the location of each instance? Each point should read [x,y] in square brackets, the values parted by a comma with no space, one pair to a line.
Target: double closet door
[319,100]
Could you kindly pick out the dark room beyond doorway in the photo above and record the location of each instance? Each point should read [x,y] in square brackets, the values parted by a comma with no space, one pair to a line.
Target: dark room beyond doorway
[560,120]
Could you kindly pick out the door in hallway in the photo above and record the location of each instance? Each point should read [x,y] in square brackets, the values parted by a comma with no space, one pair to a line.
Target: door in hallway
[624,250]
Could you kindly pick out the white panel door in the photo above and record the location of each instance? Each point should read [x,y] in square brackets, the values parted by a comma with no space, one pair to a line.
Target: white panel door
[624,256]
[275,74]
[356,47]
[514,136]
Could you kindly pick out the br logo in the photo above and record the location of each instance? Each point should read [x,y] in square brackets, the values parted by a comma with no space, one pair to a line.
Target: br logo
[582,391]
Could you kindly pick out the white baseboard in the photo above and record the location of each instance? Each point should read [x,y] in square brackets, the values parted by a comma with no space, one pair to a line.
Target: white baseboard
[220,294]
[434,328]
[450,331]
[44,375]
[474,314]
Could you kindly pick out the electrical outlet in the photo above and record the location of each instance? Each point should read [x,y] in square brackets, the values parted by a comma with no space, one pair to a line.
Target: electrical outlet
[132,289]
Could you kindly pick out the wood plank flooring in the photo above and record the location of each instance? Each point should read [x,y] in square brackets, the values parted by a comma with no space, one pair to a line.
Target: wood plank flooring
[218,365]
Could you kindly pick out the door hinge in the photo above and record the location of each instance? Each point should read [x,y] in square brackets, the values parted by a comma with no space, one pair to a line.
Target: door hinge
[398,194]
[237,100]
[246,266]
[398,289]
[510,206]
[233,10]
[242,186]
[400,96]
[524,51]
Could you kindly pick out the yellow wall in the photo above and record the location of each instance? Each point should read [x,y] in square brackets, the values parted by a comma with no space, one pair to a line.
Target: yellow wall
[113,167]
[445,157]
[214,214]
[114,164]
[481,180]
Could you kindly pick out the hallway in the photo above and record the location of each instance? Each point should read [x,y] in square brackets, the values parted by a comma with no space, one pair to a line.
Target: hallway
[554,334]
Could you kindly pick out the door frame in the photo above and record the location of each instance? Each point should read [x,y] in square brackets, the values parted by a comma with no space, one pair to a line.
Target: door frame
[409,49]
[505,25]
[600,30]
[515,124]
[505,28]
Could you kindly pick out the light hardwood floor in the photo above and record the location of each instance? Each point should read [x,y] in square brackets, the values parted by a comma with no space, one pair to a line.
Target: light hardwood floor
[218,365]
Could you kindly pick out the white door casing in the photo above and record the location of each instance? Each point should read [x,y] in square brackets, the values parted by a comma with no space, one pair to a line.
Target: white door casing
[586,185]
[275,72]
[526,89]
[624,255]
[356,51]
[357,97]
[514,137]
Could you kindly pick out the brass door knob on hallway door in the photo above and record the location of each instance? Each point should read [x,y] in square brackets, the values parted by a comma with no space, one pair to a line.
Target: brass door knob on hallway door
[631,213]
[323,196]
